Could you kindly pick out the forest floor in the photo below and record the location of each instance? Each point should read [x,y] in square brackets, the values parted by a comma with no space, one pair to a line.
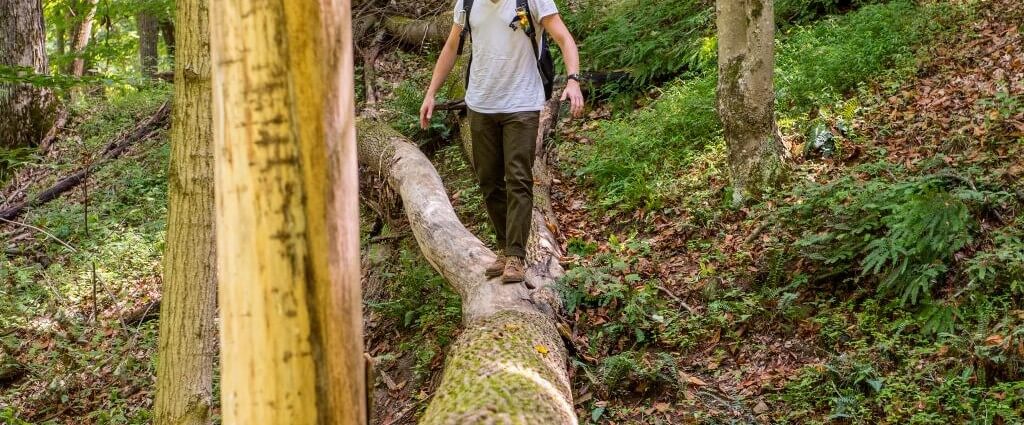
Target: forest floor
[691,311]
[685,308]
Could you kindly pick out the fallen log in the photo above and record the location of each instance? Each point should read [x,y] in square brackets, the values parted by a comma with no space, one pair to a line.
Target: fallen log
[142,131]
[509,364]
[419,32]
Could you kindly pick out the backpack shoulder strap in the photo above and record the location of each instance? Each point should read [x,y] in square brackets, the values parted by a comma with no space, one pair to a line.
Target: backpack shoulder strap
[531,30]
[467,8]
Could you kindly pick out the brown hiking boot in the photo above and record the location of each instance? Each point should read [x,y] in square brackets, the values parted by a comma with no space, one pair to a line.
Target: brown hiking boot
[515,270]
[497,268]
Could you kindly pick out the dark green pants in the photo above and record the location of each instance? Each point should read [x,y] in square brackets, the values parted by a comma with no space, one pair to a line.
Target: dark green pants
[503,151]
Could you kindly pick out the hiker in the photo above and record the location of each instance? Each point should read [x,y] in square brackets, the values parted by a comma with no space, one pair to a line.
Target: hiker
[509,79]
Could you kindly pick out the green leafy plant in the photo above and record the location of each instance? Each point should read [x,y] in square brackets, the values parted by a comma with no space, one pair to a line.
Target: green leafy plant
[651,40]
[638,372]
[905,231]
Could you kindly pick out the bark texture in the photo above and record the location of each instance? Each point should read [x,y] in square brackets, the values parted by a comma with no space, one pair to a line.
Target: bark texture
[28,111]
[509,365]
[149,36]
[188,332]
[418,32]
[287,213]
[746,96]
[82,34]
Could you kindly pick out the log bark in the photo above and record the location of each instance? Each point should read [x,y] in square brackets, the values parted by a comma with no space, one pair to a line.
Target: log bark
[420,32]
[28,111]
[287,213]
[188,306]
[509,364]
[746,96]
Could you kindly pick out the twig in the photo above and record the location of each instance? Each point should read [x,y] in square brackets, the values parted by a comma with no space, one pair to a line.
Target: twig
[383,238]
[757,232]
[29,226]
[677,299]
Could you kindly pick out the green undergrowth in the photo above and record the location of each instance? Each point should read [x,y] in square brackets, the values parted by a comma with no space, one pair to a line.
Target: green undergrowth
[903,230]
[402,110]
[632,327]
[657,40]
[649,39]
[90,367]
[932,330]
[422,305]
[898,284]
[635,159]
[459,181]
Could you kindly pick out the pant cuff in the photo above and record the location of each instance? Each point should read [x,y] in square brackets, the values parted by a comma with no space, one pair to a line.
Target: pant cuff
[515,252]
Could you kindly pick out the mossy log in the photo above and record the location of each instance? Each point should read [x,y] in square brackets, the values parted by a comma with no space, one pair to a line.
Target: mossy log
[509,364]
[419,32]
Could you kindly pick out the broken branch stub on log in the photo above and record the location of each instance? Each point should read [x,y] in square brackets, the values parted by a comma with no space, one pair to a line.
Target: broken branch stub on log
[509,364]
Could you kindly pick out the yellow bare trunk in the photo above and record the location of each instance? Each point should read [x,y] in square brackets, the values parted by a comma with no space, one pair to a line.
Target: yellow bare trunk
[287,212]
[188,333]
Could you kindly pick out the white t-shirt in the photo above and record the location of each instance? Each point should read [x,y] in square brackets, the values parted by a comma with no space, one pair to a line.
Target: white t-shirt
[504,76]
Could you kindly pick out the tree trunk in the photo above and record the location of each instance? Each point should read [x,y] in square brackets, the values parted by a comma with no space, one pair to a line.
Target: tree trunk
[61,40]
[287,213]
[188,332]
[82,34]
[28,111]
[509,364]
[746,96]
[149,36]
[167,33]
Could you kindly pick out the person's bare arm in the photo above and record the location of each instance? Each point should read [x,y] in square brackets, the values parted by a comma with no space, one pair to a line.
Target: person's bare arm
[445,63]
[570,54]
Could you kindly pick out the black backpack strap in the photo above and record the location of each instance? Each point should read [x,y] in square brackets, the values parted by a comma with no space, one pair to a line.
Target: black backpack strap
[531,28]
[540,52]
[467,8]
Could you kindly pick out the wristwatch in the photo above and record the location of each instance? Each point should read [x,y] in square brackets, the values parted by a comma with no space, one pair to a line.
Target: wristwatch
[574,77]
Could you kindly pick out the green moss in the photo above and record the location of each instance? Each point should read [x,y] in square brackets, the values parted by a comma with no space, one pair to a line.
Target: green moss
[508,368]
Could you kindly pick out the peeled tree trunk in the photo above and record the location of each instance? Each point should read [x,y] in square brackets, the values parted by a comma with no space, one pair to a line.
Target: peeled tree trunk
[287,213]
[509,364]
[28,111]
[746,96]
[83,32]
[188,333]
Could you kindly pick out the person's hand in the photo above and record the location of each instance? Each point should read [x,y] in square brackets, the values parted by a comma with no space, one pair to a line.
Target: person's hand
[575,96]
[426,111]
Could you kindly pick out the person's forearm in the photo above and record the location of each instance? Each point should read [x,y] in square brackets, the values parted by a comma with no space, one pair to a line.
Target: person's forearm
[445,63]
[570,55]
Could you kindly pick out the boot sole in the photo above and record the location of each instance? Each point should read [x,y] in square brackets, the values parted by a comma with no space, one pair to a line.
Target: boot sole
[511,280]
